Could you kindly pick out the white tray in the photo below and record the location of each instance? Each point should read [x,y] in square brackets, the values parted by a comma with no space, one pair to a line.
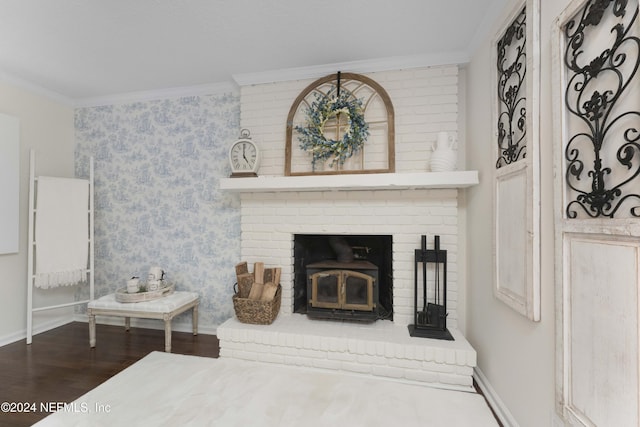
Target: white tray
[123,296]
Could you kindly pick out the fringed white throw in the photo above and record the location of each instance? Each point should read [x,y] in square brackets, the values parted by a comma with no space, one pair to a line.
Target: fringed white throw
[61,231]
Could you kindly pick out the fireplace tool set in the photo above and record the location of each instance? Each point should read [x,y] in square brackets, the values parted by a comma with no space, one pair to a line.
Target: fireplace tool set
[430,303]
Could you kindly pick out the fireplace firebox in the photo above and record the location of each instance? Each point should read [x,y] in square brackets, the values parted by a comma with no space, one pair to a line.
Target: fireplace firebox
[343,277]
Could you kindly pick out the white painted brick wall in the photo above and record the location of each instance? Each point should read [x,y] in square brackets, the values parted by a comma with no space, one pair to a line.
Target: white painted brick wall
[270,221]
[425,102]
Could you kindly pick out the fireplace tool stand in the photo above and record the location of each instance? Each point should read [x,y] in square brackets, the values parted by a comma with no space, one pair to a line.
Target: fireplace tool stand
[430,320]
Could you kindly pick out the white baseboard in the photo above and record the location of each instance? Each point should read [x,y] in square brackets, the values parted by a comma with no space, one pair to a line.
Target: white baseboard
[37,329]
[147,323]
[498,406]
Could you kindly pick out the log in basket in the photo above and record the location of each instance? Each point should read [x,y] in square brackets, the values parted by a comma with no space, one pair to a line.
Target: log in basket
[258,295]
[255,311]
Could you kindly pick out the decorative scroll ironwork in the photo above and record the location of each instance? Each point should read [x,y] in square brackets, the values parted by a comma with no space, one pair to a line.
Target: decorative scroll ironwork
[605,148]
[512,68]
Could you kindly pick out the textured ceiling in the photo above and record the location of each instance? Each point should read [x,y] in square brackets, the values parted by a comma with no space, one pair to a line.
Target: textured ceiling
[83,49]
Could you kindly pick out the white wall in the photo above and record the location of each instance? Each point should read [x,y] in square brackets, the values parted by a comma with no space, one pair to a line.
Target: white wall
[46,125]
[514,354]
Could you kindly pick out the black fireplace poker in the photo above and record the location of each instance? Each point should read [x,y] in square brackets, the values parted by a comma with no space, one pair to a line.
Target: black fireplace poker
[430,319]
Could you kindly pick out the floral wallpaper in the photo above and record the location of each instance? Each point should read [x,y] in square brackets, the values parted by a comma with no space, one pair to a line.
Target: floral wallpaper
[157,202]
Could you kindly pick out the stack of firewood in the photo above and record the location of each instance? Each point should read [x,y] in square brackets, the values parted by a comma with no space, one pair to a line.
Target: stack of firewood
[261,285]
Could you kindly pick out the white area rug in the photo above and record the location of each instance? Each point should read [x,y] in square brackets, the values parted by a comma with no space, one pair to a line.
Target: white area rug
[166,389]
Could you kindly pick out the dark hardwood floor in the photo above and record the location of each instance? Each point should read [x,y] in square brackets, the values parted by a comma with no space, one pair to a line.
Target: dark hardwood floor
[59,366]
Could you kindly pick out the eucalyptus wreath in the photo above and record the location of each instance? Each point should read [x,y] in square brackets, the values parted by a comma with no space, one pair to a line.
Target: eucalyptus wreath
[324,108]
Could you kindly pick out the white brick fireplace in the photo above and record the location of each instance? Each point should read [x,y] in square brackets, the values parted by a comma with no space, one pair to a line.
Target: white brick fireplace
[405,205]
[270,221]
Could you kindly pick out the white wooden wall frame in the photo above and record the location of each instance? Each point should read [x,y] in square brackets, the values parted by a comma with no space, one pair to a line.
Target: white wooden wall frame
[596,56]
[516,189]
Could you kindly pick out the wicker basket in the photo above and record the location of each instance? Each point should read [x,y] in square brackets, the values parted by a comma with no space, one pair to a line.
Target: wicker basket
[257,312]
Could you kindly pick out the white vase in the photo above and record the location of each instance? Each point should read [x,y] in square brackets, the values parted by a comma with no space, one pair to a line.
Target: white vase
[443,157]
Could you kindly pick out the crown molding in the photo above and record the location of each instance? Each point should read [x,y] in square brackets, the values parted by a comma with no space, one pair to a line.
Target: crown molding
[245,79]
[153,95]
[122,98]
[365,66]
[35,89]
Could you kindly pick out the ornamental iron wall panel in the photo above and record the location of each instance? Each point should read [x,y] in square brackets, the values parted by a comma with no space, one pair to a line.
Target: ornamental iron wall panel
[601,54]
[512,97]
[597,252]
[516,176]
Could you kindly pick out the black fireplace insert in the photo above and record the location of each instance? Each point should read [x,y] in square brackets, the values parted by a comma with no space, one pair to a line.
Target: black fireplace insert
[346,277]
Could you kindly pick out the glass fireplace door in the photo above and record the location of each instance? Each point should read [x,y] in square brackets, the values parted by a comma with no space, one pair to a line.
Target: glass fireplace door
[342,289]
[357,291]
[326,289]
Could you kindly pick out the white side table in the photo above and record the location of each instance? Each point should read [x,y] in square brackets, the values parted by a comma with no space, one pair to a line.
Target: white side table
[165,308]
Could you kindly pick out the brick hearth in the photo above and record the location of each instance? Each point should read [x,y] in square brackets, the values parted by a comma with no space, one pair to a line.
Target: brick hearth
[380,349]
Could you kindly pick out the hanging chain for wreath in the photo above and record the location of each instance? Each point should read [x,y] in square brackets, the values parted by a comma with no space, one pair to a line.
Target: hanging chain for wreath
[332,106]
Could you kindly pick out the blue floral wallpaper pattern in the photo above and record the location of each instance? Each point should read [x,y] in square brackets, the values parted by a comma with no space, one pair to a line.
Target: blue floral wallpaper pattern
[157,202]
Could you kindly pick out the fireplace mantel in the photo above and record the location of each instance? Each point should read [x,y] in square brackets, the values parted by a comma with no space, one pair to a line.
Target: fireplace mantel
[380,181]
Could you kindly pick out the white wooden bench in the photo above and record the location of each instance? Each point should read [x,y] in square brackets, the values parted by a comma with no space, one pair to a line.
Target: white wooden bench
[165,308]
